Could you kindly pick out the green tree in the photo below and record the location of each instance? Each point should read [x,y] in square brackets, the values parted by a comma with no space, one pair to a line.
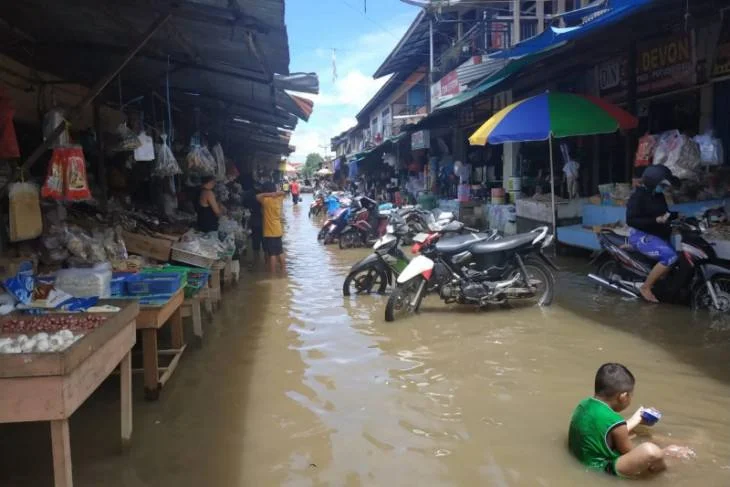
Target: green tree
[312,164]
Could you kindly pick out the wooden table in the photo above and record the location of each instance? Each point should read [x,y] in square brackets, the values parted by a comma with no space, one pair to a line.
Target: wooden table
[191,308]
[149,321]
[51,386]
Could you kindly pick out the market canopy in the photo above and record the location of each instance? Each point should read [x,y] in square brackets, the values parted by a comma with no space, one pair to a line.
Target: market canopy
[597,16]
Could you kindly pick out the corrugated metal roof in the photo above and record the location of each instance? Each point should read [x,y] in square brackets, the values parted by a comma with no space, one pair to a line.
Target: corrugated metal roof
[475,72]
[221,54]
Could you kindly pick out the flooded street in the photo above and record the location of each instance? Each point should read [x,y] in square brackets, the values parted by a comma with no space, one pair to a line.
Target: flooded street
[296,385]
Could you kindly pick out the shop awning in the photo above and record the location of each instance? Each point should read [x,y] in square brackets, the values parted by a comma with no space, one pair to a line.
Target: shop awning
[613,11]
[512,67]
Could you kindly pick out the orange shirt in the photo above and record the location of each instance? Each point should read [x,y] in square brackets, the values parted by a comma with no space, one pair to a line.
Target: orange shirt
[294,188]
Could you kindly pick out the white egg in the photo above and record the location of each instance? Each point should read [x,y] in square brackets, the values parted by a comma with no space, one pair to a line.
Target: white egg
[5,341]
[55,342]
[42,346]
[66,334]
[21,339]
[41,336]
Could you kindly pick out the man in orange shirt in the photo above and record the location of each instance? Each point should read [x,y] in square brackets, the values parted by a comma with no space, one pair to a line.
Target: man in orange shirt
[271,202]
[294,188]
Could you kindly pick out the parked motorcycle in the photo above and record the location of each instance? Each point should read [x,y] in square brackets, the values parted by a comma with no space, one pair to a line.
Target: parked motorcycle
[700,278]
[420,221]
[381,268]
[332,227]
[368,225]
[317,206]
[471,269]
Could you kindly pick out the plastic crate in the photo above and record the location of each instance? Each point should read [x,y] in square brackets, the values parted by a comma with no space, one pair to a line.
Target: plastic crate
[119,283]
[154,283]
[190,258]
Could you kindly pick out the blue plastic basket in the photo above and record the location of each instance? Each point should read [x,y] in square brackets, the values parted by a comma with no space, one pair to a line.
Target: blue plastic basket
[154,283]
[119,283]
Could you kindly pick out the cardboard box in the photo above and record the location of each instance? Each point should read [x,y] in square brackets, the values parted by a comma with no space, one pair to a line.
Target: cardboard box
[154,248]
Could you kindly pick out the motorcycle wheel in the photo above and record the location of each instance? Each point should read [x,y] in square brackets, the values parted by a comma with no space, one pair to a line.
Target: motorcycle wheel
[365,281]
[608,269]
[542,277]
[701,299]
[322,235]
[400,299]
[349,240]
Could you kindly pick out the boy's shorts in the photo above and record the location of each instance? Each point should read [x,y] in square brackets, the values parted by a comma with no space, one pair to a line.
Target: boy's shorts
[273,246]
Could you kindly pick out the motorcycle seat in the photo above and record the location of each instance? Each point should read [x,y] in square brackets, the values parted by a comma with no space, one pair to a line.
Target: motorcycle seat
[458,243]
[507,243]
[615,239]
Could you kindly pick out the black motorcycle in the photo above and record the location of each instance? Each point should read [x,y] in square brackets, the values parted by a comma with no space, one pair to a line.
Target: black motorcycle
[471,269]
[700,278]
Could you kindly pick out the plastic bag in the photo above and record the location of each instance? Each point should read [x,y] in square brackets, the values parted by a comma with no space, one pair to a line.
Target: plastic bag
[128,141]
[76,187]
[26,221]
[53,187]
[165,164]
[220,162]
[200,161]
[679,154]
[51,120]
[114,245]
[711,150]
[645,150]
[146,149]
[83,283]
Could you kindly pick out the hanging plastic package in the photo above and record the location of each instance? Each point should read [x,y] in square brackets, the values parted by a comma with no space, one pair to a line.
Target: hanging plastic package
[8,140]
[645,150]
[220,162]
[26,222]
[76,187]
[51,120]
[53,187]
[146,150]
[200,161]
[128,141]
[711,150]
[165,165]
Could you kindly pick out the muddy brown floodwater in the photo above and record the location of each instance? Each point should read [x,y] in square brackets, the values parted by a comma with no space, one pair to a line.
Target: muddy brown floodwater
[296,385]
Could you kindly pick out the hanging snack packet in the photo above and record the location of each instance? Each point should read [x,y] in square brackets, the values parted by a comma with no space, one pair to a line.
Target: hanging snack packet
[26,222]
[53,187]
[76,185]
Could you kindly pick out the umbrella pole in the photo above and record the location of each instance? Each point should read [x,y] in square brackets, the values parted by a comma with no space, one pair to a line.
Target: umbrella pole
[552,189]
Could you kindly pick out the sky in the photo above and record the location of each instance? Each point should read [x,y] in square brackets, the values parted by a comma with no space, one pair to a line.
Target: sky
[362,42]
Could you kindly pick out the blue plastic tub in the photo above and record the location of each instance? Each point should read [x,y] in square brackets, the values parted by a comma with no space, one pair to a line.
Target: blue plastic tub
[158,283]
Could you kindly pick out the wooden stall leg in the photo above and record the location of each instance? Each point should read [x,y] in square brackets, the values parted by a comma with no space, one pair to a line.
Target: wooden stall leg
[197,319]
[61,445]
[176,330]
[149,361]
[125,369]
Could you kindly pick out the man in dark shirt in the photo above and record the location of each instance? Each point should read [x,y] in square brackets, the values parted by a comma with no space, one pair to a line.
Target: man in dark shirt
[256,222]
[648,216]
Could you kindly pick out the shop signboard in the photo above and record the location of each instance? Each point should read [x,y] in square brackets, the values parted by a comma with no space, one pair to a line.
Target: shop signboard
[612,79]
[420,140]
[446,88]
[665,64]
[721,66]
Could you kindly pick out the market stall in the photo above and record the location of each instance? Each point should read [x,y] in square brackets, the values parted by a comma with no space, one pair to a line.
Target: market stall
[61,360]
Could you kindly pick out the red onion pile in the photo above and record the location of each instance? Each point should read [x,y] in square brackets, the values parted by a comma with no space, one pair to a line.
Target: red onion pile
[51,324]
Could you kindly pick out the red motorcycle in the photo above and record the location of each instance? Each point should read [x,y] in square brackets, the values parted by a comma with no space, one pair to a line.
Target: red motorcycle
[366,225]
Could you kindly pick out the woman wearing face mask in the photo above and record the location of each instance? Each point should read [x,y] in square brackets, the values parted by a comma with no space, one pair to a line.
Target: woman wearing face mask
[648,216]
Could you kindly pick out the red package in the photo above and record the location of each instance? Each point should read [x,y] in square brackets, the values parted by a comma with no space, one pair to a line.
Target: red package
[645,151]
[53,187]
[76,184]
[8,141]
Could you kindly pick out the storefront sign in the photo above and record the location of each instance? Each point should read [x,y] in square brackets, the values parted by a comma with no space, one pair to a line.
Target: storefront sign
[665,64]
[609,75]
[420,140]
[721,66]
[446,88]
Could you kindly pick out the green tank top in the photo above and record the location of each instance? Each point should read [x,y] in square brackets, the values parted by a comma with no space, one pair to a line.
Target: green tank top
[592,421]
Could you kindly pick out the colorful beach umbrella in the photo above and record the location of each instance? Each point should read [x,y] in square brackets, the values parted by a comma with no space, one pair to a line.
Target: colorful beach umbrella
[553,115]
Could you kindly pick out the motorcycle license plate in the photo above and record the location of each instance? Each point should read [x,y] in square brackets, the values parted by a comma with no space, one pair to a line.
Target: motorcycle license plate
[420,237]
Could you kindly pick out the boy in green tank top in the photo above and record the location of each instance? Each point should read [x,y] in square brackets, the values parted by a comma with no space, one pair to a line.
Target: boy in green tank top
[599,436]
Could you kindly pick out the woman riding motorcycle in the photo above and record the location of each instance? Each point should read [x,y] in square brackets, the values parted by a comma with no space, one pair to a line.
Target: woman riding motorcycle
[648,216]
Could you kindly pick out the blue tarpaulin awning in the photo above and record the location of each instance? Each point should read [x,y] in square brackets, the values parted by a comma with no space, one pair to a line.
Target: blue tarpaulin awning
[594,17]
